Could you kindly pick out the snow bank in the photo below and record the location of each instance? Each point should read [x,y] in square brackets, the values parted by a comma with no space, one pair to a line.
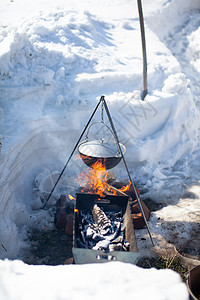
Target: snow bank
[193,49]
[170,15]
[180,36]
[95,281]
[54,67]
[21,195]
[156,130]
[40,50]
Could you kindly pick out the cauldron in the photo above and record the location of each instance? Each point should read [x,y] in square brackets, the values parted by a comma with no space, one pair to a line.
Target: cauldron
[101,153]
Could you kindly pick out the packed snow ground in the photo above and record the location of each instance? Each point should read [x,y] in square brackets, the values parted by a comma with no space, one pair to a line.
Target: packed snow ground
[56,60]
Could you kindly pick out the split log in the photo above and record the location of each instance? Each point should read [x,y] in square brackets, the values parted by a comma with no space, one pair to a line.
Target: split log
[130,192]
[64,216]
[69,225]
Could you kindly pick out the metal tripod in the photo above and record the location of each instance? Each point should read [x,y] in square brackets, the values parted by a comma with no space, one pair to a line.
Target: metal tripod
[103,102]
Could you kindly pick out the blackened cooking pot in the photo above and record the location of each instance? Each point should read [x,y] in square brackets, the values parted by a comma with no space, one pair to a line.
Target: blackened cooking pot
[99,154]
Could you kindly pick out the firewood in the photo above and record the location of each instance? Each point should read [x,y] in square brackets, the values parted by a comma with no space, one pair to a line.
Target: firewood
[111,188]
[69,225]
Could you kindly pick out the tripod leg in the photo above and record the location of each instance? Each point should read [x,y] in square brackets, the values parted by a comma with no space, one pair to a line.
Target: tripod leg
[121,152]
[72,152]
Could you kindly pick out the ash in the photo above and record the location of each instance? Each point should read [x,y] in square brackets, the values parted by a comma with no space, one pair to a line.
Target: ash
[102,231]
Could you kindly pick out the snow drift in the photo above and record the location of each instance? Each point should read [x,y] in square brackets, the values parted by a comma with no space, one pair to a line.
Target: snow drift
[92,281]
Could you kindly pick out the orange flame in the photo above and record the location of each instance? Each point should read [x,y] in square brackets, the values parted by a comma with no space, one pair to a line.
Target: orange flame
[125,187]
[71,197]
[92,180]
[95,181]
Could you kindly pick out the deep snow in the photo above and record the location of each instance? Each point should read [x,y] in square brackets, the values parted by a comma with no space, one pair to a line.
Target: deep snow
[56,60]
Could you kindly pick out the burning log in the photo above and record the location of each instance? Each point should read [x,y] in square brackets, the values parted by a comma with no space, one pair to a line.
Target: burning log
[113,190]
[123,189]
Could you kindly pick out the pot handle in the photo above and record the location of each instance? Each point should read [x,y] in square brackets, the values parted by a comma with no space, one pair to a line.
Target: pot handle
[86,137]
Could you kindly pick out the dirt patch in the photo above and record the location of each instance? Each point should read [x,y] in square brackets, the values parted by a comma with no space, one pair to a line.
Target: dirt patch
[162,262]
[49,247]
[152,205]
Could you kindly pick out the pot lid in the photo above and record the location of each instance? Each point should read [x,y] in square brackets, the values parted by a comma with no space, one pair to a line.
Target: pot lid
[100,148]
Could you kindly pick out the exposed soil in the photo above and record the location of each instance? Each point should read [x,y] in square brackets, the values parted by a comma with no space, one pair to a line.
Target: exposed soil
[152,205]
[49,247]
[161,262]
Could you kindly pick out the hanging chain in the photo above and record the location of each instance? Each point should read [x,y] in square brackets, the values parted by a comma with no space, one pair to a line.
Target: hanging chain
[102,108]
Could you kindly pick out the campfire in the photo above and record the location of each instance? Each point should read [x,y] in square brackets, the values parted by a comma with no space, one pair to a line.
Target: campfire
[97,181]
[105,210]
[101,227]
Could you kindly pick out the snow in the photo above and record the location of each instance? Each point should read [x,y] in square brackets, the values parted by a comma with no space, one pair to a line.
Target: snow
[56,60]
[94,281]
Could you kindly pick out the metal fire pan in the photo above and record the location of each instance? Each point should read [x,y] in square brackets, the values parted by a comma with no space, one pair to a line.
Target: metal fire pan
[84,202]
